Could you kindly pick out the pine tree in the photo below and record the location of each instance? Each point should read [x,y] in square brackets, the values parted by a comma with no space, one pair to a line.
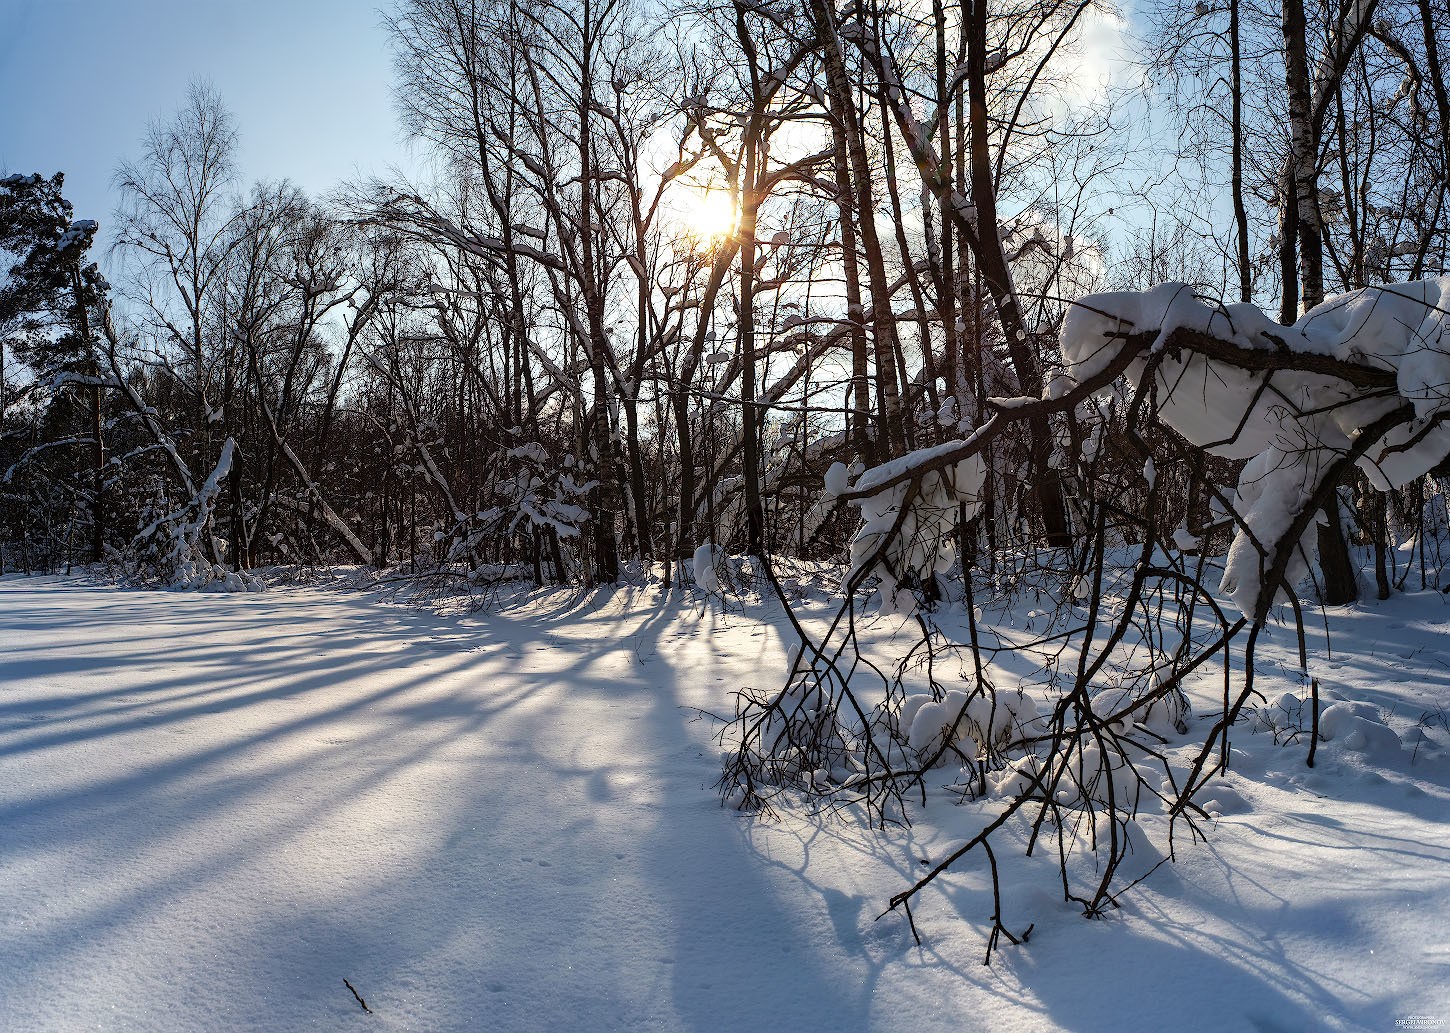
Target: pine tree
[48,301]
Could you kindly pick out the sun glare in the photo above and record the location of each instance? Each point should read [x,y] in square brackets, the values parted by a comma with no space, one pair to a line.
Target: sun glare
[708,216]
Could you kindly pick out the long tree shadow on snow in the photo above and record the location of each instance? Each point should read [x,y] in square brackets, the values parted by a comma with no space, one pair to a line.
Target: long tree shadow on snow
[508,824]
[518,848]
[629,898]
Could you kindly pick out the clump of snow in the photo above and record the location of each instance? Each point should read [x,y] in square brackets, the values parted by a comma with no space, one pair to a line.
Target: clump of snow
[1285,717]
[1273,488]
[966,721]
[1224,799]
[1359,727]
[1081,589]
[703,565]
[1017,777]
[1168,712]
[1105,777]
[81,231]
[1185,540]
[1013,402]
[935,723]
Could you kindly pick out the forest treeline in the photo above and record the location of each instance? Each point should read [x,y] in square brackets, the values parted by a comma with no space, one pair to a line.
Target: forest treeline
[669,265]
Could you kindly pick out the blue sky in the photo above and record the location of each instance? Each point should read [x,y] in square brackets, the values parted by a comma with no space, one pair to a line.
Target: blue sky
[308,81]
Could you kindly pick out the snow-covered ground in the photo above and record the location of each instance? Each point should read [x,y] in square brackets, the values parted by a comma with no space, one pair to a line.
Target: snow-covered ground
[216,808]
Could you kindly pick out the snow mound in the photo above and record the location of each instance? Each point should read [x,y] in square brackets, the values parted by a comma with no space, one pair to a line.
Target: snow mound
[1167,714]
[1222,799]
[935,723]
[1283,717]
[964,720]
[1016,778]
[1360,728]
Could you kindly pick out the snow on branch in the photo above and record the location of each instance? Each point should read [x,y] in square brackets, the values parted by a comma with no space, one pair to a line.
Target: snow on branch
[1009,413]
[906,531]
[1365,376]
[35,450]
[1292,399]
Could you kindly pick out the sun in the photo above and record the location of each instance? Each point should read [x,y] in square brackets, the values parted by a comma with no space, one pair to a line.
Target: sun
[708,216]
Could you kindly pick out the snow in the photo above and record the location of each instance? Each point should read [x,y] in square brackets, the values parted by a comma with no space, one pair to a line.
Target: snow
[1398,327]
[217,807]
[703,567]
[1360,727]
[1013,402]
[963,720]
[1205,401]
[79,230]
[1185,540]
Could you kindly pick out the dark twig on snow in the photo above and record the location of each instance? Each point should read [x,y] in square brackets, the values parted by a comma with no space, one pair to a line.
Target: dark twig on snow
[363,1004]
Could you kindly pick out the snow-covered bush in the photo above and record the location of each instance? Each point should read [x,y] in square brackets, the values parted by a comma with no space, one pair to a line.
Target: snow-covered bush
[176,546]
[543,492]
[907,529]
[532,492]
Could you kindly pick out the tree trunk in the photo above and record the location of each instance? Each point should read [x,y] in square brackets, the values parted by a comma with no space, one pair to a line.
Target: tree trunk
[860,415]
[1241,215]
[606,549]
[1288,252]
[749,415]
[838,85]
[635,467]
[992,260]
[1340,586]
[1380,528]
[98,441]
[1303,155]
